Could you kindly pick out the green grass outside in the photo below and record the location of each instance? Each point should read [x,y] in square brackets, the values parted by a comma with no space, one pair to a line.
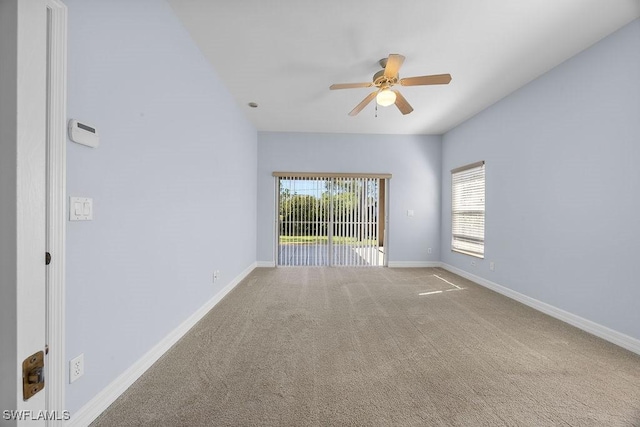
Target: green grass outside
[312,240]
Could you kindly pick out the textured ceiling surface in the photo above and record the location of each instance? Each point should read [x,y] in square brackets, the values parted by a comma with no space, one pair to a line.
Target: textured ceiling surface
[285,54]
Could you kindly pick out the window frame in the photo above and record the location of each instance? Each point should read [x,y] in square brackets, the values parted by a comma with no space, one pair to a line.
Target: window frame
[479,164]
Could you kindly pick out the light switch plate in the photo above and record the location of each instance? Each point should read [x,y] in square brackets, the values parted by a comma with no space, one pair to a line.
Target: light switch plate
[80,209]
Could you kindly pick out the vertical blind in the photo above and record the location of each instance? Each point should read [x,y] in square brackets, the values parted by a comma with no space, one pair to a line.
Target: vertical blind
[329,220]
[303,221]
[467,209]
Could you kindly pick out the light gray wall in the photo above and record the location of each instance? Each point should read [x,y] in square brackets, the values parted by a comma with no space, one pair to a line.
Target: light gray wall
[414,161]
[173,184]
[8,204]
[562,181]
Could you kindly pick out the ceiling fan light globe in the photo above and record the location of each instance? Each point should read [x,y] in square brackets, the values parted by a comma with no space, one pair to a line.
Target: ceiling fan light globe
[385,98]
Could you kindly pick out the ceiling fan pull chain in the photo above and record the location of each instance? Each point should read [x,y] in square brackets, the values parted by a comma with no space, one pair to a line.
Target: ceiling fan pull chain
[376,110]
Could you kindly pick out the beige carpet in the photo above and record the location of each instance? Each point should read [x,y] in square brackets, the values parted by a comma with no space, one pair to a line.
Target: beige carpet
[358,346]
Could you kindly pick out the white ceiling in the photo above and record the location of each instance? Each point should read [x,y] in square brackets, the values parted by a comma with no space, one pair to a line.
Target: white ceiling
[284,54]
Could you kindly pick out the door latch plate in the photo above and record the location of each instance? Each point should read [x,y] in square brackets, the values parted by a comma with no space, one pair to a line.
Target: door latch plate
[32,374]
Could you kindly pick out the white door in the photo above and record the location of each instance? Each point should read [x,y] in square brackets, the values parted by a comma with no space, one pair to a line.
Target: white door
[31,190]
[23,122]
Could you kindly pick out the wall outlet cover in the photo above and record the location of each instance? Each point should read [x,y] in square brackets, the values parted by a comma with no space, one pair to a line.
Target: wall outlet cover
[76,368]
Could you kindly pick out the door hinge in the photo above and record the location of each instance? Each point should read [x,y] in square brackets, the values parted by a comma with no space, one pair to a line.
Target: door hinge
[47,258]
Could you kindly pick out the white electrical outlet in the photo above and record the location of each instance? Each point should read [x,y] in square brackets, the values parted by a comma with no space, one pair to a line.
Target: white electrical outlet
[492,266]
[76,368]
[429,250]
[473,263]
[216,275]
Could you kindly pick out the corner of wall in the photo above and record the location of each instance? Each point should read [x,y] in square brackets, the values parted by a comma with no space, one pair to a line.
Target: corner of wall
[91,410]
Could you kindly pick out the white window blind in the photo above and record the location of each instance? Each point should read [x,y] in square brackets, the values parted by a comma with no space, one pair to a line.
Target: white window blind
[467,209]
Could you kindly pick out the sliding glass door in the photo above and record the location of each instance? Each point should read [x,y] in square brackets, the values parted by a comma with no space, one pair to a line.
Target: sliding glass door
[304,217]
[331,220]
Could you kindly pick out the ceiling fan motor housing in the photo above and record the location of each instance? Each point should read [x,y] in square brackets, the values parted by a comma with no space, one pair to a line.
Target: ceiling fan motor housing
[380,80]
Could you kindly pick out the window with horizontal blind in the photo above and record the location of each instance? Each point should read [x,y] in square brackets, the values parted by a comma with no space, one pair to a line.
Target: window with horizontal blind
[467,209]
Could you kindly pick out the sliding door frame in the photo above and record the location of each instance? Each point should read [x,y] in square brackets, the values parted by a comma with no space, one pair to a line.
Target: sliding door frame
[383,197]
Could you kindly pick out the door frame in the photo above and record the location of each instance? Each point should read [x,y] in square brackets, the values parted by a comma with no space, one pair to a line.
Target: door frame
[56,205]
[384,180]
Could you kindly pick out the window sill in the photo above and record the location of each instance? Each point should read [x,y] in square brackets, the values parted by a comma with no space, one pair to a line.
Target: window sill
[468,253]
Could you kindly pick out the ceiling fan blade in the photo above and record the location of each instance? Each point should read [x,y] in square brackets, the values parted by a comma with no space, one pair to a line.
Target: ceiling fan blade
[394,62]
[402,104]
[349,85]
[436,79]
[364,103]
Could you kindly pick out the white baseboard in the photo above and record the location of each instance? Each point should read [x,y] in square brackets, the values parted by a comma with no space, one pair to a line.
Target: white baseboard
[89,412]
[265,264]
[414,264]
[615,337]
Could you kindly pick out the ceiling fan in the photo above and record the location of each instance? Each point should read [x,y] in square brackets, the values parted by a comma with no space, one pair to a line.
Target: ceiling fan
[386,78]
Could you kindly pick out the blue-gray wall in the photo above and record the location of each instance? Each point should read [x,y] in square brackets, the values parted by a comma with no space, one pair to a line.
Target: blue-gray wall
[413,160]
[562,185]
[173,184]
